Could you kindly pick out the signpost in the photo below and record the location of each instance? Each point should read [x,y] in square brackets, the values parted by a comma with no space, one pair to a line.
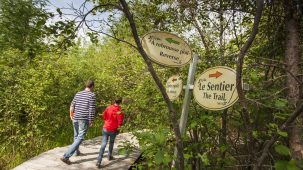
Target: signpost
[174,87]
[187,97]
[166,49]
[216,89]
[188,94]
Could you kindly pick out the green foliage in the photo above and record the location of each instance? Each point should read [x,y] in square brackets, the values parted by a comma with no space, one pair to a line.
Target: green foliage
[23,25]
[286,165]
[157,145]
[37,95]
[37,87]
[282,133]
[282,150]
[204,159]
[126,148]
[281,103]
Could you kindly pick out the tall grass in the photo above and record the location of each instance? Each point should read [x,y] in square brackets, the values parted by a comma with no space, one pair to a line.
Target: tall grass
[12,155]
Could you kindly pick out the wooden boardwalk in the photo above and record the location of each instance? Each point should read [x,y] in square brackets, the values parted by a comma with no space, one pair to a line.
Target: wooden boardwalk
[90,149]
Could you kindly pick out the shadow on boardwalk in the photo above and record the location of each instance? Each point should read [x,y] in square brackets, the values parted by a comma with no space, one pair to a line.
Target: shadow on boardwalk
[90,149]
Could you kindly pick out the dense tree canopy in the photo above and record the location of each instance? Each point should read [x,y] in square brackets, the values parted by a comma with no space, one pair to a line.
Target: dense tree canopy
[42,65]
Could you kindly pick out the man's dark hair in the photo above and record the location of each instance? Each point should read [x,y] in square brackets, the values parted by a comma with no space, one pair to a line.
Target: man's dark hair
[118,100]
[90,84]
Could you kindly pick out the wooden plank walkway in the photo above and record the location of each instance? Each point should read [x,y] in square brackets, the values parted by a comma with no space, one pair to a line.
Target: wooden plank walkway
[90,149]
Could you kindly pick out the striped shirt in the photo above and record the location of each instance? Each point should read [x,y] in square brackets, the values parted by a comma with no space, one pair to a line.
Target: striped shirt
[84,104]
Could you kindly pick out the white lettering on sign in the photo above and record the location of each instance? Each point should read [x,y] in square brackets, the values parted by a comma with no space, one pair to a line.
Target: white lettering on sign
[216,89]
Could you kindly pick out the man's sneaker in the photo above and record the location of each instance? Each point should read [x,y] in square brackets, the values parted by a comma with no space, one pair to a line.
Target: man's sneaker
[67,161]
[110,158]
[98,165]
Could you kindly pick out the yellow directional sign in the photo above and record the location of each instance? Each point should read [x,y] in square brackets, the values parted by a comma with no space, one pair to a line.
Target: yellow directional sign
[166,49]
[215,89]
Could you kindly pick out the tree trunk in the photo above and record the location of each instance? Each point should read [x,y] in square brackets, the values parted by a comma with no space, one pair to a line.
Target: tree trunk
[173,116]
[222,137]
[292,58]
[273,139]
[245,113]
[223,131]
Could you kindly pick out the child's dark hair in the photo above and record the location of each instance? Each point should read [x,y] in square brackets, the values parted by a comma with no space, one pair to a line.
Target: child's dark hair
[118,100]
[90,84]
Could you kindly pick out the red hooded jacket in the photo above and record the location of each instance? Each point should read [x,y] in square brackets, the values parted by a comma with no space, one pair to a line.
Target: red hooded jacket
[113,118]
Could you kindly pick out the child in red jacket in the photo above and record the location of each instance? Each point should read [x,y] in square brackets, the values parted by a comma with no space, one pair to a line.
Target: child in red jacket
[113,119]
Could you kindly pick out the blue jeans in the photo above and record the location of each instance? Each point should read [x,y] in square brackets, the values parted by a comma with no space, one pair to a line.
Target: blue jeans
[105,135]
[76,133]
[80,129]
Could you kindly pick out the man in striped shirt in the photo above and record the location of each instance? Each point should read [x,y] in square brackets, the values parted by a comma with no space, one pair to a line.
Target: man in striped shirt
[83,109]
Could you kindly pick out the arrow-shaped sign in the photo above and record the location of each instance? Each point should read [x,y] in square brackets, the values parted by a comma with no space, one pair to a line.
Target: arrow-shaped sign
[216,74]
[170,40]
